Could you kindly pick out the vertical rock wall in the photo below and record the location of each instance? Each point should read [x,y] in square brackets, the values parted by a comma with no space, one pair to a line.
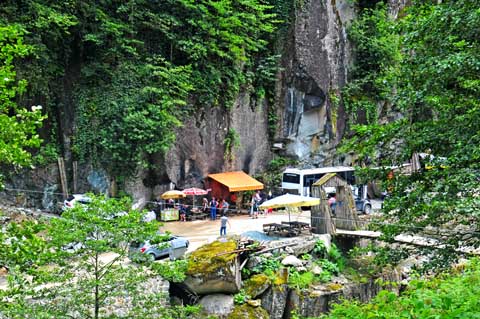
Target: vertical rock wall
[200,146]
[312,120]
[315,67]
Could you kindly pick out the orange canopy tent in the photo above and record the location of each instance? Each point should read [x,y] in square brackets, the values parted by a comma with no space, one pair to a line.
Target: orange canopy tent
[222,184]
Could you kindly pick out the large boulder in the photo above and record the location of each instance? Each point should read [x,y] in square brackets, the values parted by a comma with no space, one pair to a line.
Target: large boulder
[217,304]
[298,245]
[214,268]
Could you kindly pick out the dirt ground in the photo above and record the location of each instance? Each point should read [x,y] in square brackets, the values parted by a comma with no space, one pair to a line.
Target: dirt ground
[200,232]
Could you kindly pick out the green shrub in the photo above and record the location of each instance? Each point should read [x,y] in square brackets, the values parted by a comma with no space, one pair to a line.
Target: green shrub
[241,297]
[446,296]
[298,281]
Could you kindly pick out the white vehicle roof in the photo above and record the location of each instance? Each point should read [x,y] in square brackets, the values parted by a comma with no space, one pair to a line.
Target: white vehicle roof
[320,170]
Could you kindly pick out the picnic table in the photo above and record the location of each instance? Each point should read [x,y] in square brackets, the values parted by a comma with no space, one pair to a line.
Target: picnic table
[299,226]
[282,229]
[286,228]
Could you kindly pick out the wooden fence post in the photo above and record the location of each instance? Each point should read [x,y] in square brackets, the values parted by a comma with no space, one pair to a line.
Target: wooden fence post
[63,176]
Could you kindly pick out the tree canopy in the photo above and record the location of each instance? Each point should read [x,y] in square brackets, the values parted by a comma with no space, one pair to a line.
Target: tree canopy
[117,77]
[423,78]
[19,123]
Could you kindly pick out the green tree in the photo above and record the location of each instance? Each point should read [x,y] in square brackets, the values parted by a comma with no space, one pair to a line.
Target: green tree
[98,61]
[435,96]
[19,124]
[134,116]
[83,267]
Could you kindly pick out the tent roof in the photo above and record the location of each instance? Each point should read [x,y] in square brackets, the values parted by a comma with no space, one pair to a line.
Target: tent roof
[237,181]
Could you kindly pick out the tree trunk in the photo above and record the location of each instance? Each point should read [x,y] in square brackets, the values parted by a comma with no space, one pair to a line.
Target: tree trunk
[97,292]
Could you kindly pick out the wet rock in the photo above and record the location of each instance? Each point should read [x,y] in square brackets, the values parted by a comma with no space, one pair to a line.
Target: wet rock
[217,304]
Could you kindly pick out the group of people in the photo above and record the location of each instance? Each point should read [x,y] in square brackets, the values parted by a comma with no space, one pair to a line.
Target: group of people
[222,205]
[215,205]
[257,199]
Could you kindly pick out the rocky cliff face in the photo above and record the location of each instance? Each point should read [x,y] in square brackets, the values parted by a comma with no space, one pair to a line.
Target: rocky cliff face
[315,69]
[316,62]
[200,146]
[312,120]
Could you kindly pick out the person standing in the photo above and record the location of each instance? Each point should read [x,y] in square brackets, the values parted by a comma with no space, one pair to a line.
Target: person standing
[183,213]
[224,206]
[204,205]
[223,225]
[213,208]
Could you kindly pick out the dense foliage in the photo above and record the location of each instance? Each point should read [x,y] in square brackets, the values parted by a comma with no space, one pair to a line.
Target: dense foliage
[427,84]
[18,123]
[117,77]
[76,266]
[447,296]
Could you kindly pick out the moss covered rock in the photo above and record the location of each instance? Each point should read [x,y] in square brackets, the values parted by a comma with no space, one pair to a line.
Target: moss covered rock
[256,285]
[214,268]
[248,312]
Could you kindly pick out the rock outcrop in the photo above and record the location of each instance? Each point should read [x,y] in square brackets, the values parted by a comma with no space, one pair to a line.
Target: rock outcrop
[315,69]
[200,146]
[217,304]
[214,268]
[274,300]
[319,299]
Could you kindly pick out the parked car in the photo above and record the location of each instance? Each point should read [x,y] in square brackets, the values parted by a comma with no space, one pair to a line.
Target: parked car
[82,199]
[362,203]
[75,199]
[174,246]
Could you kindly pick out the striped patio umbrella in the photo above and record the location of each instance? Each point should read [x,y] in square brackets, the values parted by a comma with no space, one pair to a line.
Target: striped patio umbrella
[194,192]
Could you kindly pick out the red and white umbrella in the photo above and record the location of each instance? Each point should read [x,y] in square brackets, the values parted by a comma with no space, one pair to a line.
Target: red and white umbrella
[195,191]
